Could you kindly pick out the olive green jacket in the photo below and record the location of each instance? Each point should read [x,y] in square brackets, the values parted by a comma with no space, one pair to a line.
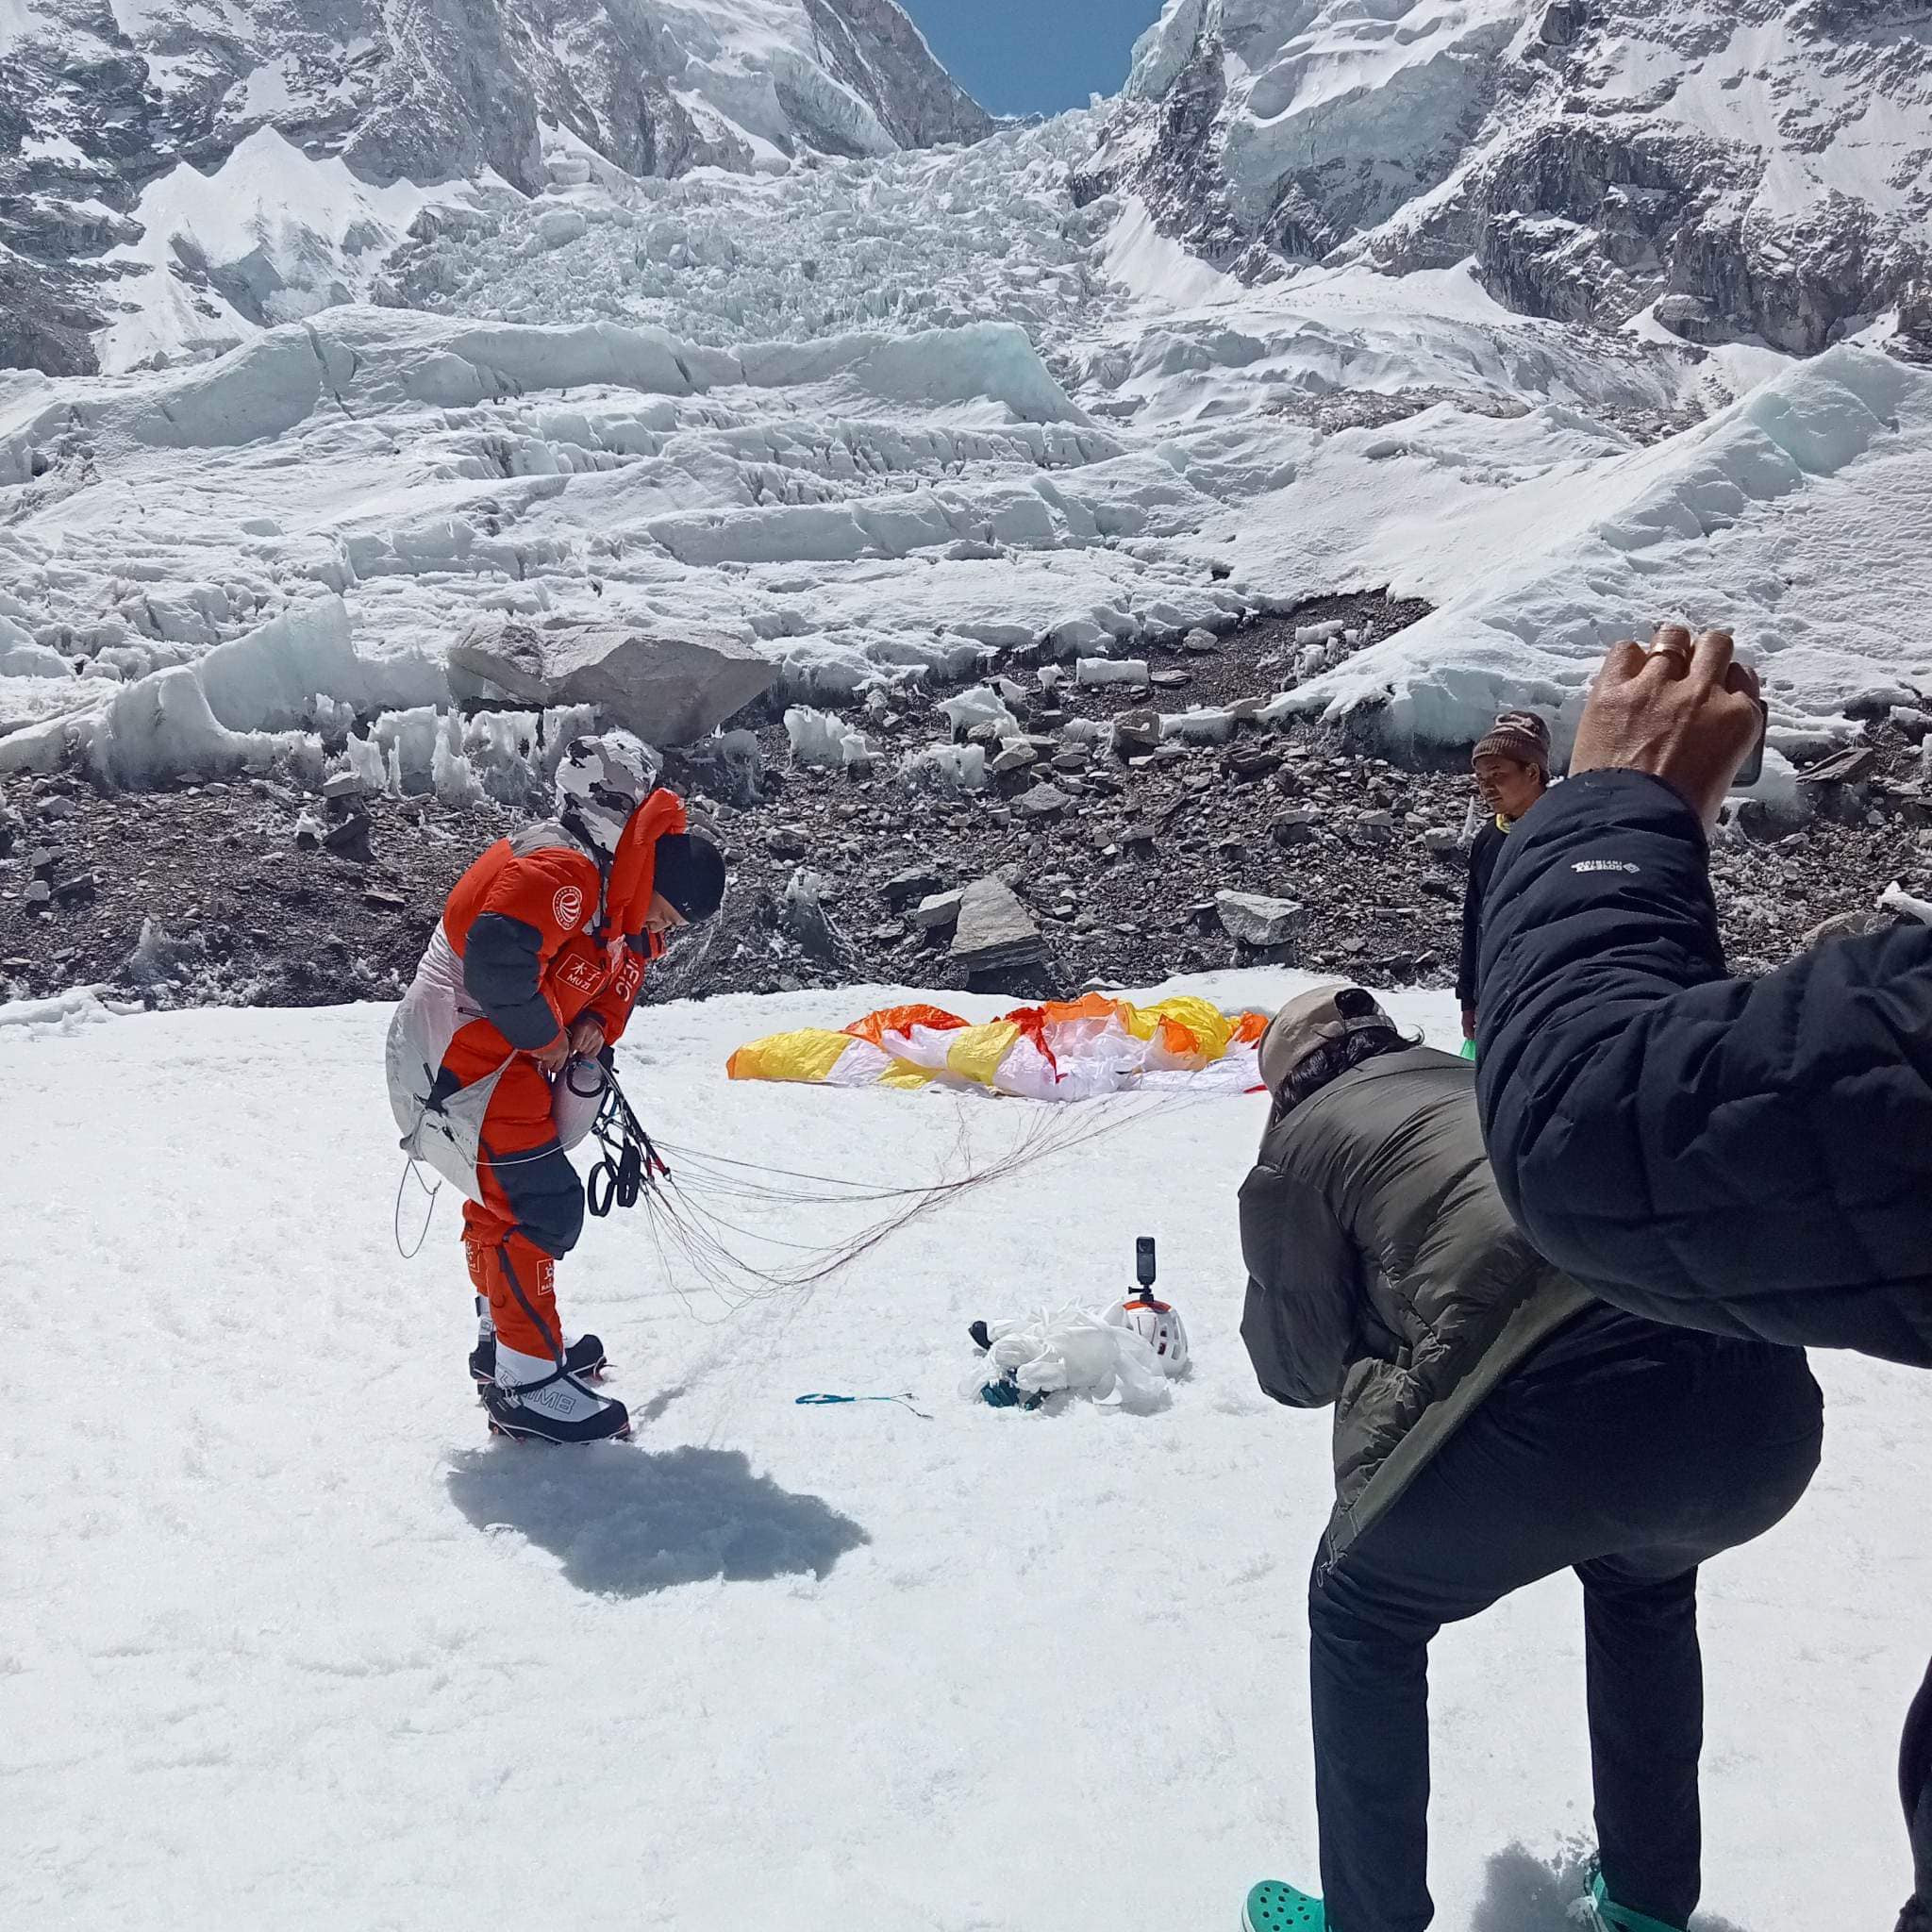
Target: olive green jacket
[1385,1275]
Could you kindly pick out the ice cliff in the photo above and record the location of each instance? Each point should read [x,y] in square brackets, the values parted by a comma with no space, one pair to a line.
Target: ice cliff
[1709,168]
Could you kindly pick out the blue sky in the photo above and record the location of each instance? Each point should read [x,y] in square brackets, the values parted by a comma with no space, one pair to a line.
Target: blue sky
[1034,57]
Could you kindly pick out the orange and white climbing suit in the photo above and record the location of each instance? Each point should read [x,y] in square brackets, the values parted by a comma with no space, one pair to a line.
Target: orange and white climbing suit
[535,936]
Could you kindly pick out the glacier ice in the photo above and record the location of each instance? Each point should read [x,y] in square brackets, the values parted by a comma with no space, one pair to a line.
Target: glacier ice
[958,435]
[821,737]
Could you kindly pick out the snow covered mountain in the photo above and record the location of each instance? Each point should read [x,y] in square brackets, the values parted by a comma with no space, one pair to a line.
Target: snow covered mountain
[250,166]
[1724,167]
[883,417]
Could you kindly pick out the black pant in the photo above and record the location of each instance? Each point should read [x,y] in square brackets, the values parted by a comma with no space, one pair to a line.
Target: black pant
[1628,1452]
[1915,1789]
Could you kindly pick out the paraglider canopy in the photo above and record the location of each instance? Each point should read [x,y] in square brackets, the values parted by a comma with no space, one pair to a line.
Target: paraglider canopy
[1081,1049]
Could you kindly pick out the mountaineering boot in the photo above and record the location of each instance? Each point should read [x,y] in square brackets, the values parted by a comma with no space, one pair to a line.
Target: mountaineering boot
[583,1357]
[1597,1912]
[535,1401]
[1273,1907]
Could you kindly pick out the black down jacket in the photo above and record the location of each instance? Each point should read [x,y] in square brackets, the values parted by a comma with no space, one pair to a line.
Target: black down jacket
[1383,1272]
[1483,855]
[1753,1156]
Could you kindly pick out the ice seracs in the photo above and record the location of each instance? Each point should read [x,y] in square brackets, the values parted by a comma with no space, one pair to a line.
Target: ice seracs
[178,174]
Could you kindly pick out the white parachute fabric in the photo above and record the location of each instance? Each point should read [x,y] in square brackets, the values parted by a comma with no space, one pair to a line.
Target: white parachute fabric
[1071,1350]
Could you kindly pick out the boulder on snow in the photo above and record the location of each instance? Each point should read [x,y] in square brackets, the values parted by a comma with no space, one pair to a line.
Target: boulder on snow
[667,690]
[1043,801]
[903,889]
[558,227]
[1852,924]
[349,838]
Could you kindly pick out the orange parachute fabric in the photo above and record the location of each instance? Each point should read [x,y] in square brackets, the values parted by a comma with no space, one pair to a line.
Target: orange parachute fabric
[902,1019]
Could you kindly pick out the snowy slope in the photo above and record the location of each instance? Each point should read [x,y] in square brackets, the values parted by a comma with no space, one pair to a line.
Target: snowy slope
[201,161]
[287,1643]
[1792,514]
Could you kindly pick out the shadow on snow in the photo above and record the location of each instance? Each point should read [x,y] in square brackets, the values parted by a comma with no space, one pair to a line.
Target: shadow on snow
[627,1521]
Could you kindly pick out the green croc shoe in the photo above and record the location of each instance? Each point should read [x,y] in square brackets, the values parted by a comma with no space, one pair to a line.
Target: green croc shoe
[1597,1912]
[1273,1907]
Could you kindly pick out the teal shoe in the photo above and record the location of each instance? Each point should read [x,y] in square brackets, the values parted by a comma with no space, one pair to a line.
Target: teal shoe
[1599,1912]
[1273,1907]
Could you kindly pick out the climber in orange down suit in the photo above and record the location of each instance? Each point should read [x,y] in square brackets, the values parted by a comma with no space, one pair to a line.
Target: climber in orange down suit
[538,962]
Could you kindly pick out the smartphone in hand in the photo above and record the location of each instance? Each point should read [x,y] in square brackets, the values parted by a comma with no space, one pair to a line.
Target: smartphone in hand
[1753,768]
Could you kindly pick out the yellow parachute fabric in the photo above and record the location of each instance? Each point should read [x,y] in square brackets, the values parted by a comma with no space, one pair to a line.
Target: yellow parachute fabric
[809,1055]
[1065,1050]
[977,1053]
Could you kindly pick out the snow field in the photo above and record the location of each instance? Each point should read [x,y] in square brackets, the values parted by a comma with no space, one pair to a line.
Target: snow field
[296,233]
[418,469]
[289,1641]
[1390,92]
[1403,91]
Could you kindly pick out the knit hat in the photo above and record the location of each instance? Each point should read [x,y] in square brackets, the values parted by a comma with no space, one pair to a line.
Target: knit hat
[691,874]
[1519,735]
[1312,1020]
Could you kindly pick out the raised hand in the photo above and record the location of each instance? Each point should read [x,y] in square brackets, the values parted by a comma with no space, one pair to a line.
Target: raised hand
[1685,711]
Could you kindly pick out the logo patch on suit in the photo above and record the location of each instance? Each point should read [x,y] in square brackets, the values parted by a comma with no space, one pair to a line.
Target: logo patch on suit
[582,975]
[569,907]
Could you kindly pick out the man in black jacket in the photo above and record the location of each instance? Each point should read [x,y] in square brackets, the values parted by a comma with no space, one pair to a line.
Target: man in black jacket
[1753,1158]
[1493,1423]
[1511,764]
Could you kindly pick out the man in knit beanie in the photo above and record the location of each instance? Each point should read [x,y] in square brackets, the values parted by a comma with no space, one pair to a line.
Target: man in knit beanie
[1513,771]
